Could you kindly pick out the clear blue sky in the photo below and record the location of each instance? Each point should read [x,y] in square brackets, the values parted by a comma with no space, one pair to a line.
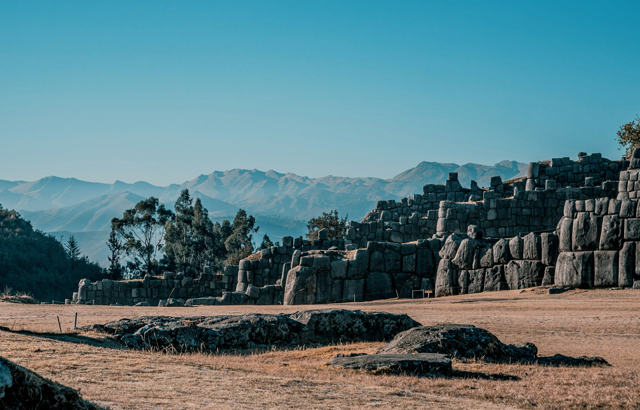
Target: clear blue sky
[164,91]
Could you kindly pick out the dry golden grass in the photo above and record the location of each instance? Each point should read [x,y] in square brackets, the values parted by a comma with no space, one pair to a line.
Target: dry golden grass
[600,322]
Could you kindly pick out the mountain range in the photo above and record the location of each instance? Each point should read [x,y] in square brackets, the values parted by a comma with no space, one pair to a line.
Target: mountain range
[281,202]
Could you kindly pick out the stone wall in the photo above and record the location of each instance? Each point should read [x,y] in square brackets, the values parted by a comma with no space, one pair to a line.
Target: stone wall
[568,223]
[151,290]
[599,244]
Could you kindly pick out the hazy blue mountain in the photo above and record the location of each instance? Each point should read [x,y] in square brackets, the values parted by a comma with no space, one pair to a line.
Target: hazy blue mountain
[280,201]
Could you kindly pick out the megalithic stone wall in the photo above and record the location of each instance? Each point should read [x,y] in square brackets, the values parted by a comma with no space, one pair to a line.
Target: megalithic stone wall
[599,244]
[568,223]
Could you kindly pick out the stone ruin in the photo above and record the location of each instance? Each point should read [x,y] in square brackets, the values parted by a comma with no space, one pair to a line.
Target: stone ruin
[566,224]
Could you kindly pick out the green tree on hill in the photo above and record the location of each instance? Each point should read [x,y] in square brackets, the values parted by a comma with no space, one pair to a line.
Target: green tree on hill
[629,136]
[331,221]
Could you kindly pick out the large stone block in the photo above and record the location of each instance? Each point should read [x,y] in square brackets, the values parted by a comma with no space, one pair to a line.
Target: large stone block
[632,229]
[353,290]
[406,283]
[392,261]
[463,282]
[515,247]
[324,287]
[359,267]
[379,285]
[605,268]
[524,274]
[476,280]
[575,269]
[339,269]
[450,247]
[301,286]
[549,248]
[409,263]
[376,263]
[566,231]
[464,255]
[494,279]
[532,247]
[586,232]
[425,266]
[549,276]
[627,264]
[485,256]
[446,279]
[611,235]
[501,252]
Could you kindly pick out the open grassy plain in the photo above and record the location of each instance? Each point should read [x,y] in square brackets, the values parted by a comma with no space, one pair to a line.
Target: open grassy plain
[592,323]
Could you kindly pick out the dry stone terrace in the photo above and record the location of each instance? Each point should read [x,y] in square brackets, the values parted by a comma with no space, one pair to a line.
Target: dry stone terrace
[566,224]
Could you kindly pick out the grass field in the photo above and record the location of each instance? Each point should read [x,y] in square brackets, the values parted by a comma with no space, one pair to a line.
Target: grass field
[593,323]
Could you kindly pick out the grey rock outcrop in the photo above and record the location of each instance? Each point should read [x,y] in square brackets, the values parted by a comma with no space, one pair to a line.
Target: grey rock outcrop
[423,364]
[22,389]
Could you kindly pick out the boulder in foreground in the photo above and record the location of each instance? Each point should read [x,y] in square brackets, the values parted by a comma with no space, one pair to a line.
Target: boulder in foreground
[422,364]
[210,333]
[466,342]
[22,389]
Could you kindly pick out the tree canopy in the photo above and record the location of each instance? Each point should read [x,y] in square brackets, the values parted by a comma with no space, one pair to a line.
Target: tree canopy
[331,221]
[36,263]
[629,136]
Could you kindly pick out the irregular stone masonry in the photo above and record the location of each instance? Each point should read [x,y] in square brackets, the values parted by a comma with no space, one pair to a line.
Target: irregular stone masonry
[263,270]
[566,224]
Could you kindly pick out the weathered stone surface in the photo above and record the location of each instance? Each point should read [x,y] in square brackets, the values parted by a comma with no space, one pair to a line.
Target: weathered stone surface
[406,283]
[549,248]
[417,364]
[532,247]
[392,261]
[324,288]
[295,258]
[515,247]
[566,231]
[467,342]
[319,327]
[446,279]
[253,292]
[524,274]
[586,232]
[463,282]
[605,268]
[450,247]
[22,389]
[425,266]
[611,236]
[476,281]
[301,286]
[353,290]
[549,276]
[465,253]
[627,262]
[379,285]
[575,269]
[494,279]
[339,269]
[485,256]
[501,252]
[459,341]
[632,229]
[376,263]
[359,267]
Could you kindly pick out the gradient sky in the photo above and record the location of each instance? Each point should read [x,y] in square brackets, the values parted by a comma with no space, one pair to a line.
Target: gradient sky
[165,91]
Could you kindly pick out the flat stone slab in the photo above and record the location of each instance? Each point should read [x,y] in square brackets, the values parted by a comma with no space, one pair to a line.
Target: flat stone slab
[418,364]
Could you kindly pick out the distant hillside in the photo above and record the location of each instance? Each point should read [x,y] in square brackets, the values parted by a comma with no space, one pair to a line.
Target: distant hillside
[281,201]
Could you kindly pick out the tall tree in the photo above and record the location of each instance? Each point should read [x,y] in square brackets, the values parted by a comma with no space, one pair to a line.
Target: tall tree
[114,272]
[142,231]
[331,221]
[72,249]
[629,136]
[179,233]
[266,242]
[240,243]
